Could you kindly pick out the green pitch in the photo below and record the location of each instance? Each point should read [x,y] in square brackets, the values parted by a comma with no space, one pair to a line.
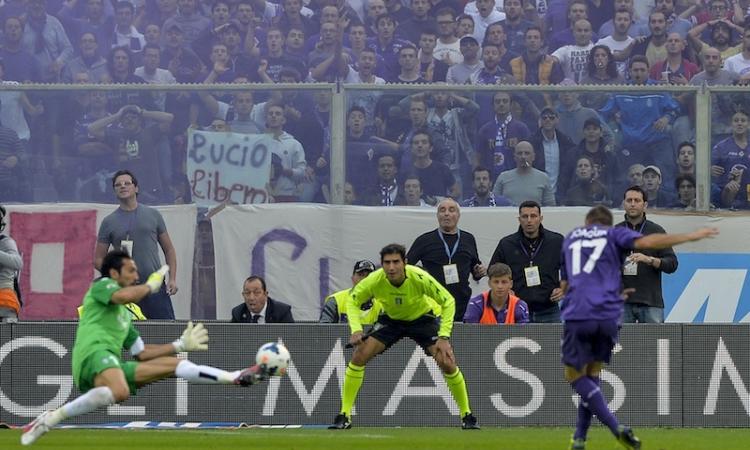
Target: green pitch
[377,438]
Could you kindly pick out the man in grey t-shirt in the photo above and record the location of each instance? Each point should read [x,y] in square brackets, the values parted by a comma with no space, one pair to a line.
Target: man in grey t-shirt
[139,230]
[524,182]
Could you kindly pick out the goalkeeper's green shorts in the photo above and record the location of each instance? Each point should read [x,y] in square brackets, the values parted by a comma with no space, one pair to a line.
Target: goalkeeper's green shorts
[98,362]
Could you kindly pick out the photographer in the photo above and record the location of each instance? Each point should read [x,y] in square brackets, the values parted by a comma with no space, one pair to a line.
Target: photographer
[10,267]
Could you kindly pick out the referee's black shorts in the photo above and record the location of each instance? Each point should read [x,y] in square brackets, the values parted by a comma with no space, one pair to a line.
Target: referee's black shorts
[423,330]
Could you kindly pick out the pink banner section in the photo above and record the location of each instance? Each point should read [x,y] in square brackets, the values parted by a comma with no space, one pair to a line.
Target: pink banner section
[77,232]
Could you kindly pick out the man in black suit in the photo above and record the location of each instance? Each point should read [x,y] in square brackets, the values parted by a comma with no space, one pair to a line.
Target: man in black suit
[258,307]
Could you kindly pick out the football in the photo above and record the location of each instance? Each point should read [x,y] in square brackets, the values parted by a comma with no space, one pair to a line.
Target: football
[274,357]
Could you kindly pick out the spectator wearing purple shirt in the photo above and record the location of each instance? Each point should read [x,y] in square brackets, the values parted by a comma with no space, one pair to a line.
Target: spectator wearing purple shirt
[496,138]
[591,310]
[499,299]
[19,64]
[733,152]
[388,47]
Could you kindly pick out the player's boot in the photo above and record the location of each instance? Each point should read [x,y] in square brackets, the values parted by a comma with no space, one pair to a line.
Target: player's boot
[341,422]
[469,422]
[627,439]
[577,444]
[251,375]
[35,429]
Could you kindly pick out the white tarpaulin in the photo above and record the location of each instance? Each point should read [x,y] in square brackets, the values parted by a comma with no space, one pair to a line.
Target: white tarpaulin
[308,251]
[57,242]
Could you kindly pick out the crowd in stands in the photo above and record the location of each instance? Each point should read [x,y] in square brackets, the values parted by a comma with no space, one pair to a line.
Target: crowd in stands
[410,147]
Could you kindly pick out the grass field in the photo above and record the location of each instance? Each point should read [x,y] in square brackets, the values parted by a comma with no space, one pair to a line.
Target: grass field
[377,438]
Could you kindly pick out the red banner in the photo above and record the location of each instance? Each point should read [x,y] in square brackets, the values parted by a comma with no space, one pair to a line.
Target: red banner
[76,231]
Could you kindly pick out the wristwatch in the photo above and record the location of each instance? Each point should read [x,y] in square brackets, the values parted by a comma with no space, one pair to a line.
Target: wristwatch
[445,338]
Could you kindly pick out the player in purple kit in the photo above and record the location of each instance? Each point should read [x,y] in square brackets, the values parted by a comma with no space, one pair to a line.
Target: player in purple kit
[593,256]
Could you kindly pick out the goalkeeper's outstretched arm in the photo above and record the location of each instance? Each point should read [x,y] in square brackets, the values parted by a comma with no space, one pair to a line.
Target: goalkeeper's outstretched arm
[194,338]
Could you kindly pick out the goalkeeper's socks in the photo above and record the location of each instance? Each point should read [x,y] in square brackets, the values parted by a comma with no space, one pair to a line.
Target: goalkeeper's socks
[90,401]
[457,386]
[203,374]
[352,382]
[592,395]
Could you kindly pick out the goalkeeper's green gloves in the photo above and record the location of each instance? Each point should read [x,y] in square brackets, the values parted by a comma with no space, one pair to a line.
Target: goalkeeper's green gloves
[195,337]
[156,279]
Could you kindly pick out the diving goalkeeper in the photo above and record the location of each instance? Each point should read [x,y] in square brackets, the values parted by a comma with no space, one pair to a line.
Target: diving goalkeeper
[105,329]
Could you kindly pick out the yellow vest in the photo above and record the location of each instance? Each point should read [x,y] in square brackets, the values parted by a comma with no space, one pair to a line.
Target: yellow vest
[367,316]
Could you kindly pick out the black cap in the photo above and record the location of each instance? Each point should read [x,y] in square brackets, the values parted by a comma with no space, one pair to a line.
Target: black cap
[592,121]
[363,265]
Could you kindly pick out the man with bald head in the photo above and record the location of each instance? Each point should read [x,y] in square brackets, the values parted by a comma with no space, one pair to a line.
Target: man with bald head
[449,254]
[722,107]
[525,182]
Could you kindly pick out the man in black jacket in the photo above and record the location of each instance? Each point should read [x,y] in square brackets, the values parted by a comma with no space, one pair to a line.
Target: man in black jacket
[642,271]
[450,255]
[555,152]
[533,254]
[258,307]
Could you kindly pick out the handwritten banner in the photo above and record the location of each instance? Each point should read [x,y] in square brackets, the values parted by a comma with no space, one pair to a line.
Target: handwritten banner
[228,167]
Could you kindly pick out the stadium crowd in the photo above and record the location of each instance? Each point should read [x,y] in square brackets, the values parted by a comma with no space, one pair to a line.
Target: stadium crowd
[410,147]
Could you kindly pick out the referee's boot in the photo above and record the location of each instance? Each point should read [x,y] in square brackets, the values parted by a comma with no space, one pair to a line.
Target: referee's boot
[341,422]
[627,438]
[469,422]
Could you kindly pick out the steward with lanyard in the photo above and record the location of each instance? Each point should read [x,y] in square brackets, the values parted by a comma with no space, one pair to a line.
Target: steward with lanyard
[449,254]
[497,305]
[642,270]
[533,254]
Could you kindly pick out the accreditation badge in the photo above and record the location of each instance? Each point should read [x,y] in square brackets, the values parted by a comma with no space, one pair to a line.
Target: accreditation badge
[127,245]
[450,272]
[630,268]
[532,276]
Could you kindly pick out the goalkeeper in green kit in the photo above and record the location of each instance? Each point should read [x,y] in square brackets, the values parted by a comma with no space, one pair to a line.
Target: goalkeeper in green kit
[105,329]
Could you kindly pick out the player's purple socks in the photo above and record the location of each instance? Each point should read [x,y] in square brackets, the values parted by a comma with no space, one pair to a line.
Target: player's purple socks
[592,395]
[584,415]
[584,421]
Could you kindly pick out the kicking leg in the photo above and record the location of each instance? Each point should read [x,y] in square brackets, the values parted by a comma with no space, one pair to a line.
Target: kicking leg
[164,367]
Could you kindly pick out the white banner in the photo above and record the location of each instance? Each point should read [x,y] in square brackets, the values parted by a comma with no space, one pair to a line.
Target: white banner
[228,167]
[58,241]
[308,251]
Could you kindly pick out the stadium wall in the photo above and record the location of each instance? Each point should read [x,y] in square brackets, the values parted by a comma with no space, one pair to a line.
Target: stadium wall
[307,251]
[674,375]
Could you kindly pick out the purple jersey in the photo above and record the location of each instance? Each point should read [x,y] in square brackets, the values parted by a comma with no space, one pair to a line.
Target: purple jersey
[592,265]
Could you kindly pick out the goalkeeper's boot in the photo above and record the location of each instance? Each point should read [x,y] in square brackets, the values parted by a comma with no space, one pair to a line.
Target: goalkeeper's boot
[577,444]
[627,439]
[341,422]
[469,422]
[251,375]
[35,429]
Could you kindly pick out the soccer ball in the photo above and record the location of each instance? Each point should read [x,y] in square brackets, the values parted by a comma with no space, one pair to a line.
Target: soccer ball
[274,357]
